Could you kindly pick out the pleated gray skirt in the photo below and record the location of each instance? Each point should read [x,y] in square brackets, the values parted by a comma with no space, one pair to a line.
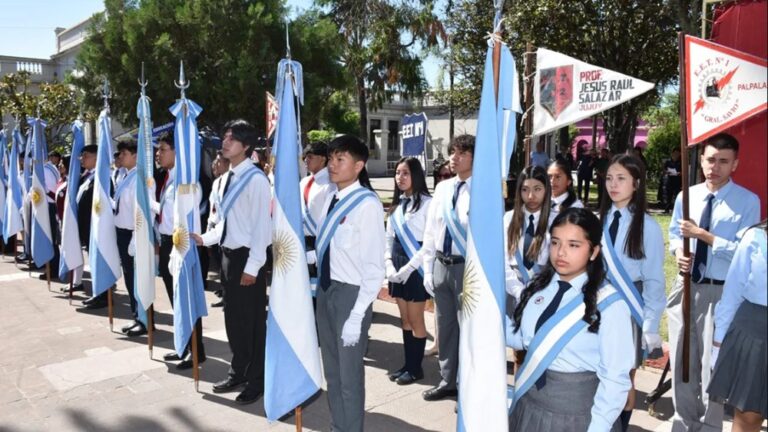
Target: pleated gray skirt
[562,405]
[740,378]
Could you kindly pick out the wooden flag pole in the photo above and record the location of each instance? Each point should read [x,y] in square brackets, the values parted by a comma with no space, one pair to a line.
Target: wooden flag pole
[195,370]
[48,274]
[150,325]
[529,70]
[109,308]
[684,179]
[71,278]
[298,419]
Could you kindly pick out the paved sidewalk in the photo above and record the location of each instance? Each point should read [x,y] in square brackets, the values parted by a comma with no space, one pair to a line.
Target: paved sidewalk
[62,369]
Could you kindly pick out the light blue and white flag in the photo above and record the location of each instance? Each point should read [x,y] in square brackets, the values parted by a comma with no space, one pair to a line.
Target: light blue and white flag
[188,296]
[71,252]
[143,234]
[40,225]
[508,107]
[482,348]
[292,359]
[103,256]
[3,175]
[14,195]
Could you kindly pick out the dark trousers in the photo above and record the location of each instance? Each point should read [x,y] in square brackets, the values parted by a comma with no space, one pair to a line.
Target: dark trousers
[166,245]
[600,189]
[56,240]
[202,253]
[585,182]
[126,262]
[245,318]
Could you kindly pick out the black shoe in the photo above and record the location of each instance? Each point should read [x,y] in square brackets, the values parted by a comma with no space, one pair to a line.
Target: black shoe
[437,393]
[43,276]
[408,378]
[248,396]
[218,293]
[132,324]
[393,376]
[22,258]
[219,303]
[90,300]
[171,356]
[96,304]
[187,362]
[228,385]
[65,288]
[136,330]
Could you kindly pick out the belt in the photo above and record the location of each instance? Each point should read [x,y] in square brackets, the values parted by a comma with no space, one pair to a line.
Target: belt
[709,281]
[229,250]
[449,259]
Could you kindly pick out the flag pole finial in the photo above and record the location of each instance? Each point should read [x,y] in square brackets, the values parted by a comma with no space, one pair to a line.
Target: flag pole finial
[143,82]
[182,84]
[287,42]
[105,93]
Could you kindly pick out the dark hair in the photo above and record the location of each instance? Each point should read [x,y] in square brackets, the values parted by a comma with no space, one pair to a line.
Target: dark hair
[167,137]
[54,153]
[723,141]
[357,149]
[516,226]
[418,184]
[127,145]
[65,162]
[565,167]
[242,131]
[436,171]
[464,143]
[319,148]
[638,204]
[91,148]
[595,268]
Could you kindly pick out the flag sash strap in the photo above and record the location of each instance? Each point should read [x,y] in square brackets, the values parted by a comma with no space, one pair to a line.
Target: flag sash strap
[124,184]
[236,189]
[617,274]
[309,222]
[525,273]
[313,286]
[553,336]
[407,239]
[331,222]
[458,232]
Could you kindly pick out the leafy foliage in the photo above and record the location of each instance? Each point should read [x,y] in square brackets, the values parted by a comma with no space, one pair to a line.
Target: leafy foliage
[664,136]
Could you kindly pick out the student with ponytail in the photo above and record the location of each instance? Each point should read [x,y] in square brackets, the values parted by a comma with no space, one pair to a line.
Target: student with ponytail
[633,247]
[577,332]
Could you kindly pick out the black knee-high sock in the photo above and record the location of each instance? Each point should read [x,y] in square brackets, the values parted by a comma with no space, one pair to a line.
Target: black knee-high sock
[407,343]
[417,356]
[624,418]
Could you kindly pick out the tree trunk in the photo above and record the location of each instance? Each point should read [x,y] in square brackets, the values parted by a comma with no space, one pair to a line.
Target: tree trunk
[363,107]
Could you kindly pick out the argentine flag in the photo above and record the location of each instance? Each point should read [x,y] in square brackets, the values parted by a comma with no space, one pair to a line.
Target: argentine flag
[144,260]
[13,223]
[71,252]
[292,359]
[482,347]
[103,256]
[188,295]
[508,108]
[42,240]
[3,176]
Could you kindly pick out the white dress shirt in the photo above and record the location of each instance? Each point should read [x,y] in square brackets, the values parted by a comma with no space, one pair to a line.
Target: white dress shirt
[514,282]
[165,206]
[248,222]
[556,201]
[125,217]
[318,192]
[434,233]
[357,247]
[217,190]
[416,221]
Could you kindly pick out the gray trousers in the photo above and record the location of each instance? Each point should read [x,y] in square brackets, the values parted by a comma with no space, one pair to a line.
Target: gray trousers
[694,411]
[449,281]
[343,366]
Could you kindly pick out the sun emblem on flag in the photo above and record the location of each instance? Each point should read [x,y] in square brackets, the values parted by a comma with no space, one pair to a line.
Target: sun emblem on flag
[139,219]
[470,294]
[180,238]
[150,182]
[35,196]
[284,252]
[97,206]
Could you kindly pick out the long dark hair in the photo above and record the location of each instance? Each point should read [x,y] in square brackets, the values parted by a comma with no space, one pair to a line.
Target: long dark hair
[418,184]
[595,269]
[565,168]
[638,204]
[515,227]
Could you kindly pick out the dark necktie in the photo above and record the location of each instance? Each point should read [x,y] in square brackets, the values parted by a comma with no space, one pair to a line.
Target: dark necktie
[404,201]
[527,243]
[325,270]
[700,259]
[117,198]
[547,314]
[613,230]
[447,240]
[226,186]
[160,198]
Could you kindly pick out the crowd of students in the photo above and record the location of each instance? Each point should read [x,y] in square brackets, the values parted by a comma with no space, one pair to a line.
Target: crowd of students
[585,291]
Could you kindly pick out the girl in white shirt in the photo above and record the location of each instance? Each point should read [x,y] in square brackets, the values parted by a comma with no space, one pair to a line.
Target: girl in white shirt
[563,195]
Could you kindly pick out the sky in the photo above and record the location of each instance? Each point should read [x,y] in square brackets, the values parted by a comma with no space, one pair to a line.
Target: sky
[27,26]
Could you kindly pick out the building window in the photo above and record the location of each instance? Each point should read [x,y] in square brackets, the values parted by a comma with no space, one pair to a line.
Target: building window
[373,124]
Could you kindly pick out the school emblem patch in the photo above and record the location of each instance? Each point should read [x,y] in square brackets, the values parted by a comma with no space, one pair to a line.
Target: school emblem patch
[538,300]
[556,89]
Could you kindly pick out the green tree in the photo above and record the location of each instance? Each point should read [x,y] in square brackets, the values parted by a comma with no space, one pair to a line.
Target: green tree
[664,136]
[230,50]
[378,41]
[15,98]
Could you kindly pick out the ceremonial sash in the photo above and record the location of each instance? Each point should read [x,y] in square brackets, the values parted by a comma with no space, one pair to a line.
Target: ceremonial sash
[525,273]
[553,336]
[84,186]
[331,222]
[124,184]
[458,232]
[405,235]
[313,286]
[617,274]
[236,189]
[309,222]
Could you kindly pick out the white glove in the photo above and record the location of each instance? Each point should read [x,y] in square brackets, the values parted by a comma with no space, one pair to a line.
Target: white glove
[311,257]
[402,275]
[429,285]
[350,333]
[713,357]
[389,269]
[651,341]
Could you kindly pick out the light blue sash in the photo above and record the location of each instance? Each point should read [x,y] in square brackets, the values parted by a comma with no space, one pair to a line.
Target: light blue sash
[234,191]
[553,336]
[405,235]
[309,222]
[331,222]
[620,278]
[458,232]
[124,184]
[525,273]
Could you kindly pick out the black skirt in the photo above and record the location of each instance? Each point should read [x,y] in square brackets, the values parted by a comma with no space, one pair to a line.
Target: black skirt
[413,288]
